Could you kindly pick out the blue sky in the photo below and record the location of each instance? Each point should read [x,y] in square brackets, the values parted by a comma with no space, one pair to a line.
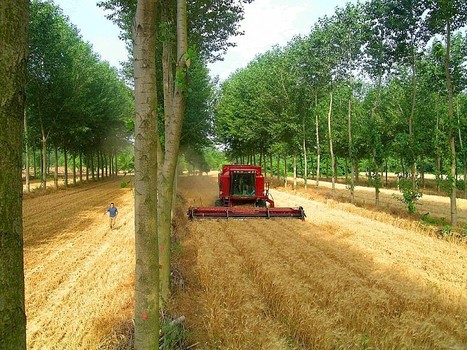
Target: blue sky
[266,23]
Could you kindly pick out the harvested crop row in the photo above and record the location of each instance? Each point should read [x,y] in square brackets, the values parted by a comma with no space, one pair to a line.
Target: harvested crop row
[79,274]
[339,280]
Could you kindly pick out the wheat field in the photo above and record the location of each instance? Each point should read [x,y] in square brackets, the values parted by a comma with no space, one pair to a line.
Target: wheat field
[346,278]
[339,280]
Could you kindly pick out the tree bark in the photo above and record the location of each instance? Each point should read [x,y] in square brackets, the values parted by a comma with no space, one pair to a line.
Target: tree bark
[13,55]
[173,129]
[318,148]
[26,160]
[56,167]
[295,172]
[80,167]
[452,144]
[146,139]
[351,155]
[331,149]
[73,158]
[65,165]
[305,159]
[44,158]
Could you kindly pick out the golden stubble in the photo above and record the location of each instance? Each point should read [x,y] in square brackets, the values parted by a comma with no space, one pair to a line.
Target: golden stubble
[79,273]
[340,280]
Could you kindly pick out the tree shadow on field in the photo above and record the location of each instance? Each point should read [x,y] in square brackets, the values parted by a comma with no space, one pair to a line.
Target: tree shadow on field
[357,300]
[324,291]
[66,212]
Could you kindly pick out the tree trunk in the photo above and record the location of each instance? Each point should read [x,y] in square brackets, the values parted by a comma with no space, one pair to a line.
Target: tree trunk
[351,155]
[411,124]
[295,172]
[173,128]
[331,149]
[375,161]
[56,166]
[270,164]
[73,158]
[452,143]
[278,167]
[438,156]
[305,159]
[44,159]
[65,165]
[285,170]
[98,168]
[26,160]
[92,166]
[146,139]
[13,56]
[80,167]
[318,148]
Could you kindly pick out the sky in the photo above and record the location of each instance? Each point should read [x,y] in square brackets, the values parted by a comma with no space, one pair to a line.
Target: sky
[266,23]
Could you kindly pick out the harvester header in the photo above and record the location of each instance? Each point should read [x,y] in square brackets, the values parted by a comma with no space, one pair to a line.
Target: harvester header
[243,193]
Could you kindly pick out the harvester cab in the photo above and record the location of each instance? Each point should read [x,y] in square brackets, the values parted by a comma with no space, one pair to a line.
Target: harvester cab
[243,193]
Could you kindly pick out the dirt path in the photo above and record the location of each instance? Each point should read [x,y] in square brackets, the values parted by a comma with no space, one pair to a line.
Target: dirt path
[341,280]
[79,274]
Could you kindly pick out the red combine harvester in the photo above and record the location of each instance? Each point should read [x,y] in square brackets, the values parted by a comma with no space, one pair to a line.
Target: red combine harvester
[242,194]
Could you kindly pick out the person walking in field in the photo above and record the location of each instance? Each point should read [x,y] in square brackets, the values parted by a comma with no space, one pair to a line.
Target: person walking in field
[113,212]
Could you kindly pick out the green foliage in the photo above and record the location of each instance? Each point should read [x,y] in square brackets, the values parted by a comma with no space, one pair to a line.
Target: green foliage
[173,335]
[410,194]
[74,100]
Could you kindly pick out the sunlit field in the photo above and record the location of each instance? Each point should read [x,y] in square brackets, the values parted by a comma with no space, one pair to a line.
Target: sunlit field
[346,278]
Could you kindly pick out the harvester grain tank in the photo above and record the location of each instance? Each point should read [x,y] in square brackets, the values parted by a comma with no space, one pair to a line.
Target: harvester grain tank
[243,193]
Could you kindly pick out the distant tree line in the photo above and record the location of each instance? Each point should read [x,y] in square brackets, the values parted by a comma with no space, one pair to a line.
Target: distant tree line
[78,110]
[375,86]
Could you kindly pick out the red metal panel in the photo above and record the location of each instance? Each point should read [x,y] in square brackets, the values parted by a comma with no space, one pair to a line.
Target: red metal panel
[245,212]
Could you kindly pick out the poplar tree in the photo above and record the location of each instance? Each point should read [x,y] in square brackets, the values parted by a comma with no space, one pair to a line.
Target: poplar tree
[13,56]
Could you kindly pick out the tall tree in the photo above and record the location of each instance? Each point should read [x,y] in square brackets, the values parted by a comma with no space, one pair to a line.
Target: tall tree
[146,143]
[445,17]
[13,55]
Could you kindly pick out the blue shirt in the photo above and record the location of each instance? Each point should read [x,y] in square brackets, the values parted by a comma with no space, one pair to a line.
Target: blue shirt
[112,212]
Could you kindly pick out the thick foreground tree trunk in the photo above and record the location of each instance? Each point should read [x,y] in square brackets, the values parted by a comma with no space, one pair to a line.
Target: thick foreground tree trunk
[13,55]
[146,138]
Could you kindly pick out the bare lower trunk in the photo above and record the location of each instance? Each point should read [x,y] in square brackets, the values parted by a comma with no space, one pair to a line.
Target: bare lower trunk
[65,158]
[13,55]
[294,172]
[331,148]
[285,170]
[80,167]
[173,128]
[318,148]
[146,140]
[73,155]
[351,156]
[305,159]
[452,144]
[26,156]
[56,166]
[44,159]
[278,167]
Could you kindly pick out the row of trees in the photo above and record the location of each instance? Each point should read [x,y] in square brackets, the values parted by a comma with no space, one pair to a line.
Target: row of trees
[171,42]
[379,81]
[77,106]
